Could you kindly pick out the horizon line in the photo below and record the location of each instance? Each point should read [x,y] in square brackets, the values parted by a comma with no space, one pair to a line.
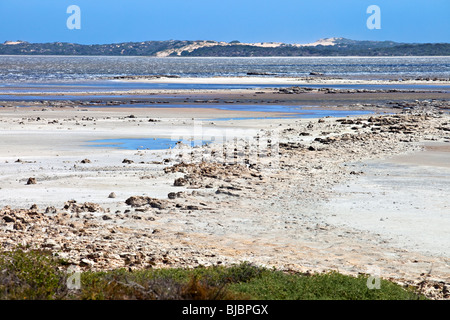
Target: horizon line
[218,41]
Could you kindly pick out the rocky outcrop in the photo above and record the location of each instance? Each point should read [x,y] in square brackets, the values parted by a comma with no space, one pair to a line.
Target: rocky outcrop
[140,201]
[179,182]
[75,207]
[298,90]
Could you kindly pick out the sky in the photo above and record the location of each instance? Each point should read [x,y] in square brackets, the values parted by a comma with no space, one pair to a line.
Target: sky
[288,21]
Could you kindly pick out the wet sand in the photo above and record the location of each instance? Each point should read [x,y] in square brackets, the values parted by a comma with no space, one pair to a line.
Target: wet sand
[281,80]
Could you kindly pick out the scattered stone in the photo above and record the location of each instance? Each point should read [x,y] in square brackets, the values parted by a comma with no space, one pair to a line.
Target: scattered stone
[31,181]
[87,263]
[228,193]
[196,173]
[179,182]
[73,206]
[89,242]
[140,201]
[50,243]
[7,218]
[137,201]
[172,195]
[50,210]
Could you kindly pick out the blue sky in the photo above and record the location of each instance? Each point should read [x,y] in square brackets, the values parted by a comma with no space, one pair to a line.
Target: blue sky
[290,21]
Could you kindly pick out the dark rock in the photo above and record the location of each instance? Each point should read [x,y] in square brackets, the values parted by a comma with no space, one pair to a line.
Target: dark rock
[179,182]
[159,204]
[8,219]
[228,193]
[172,195]
[261,74]
[137,201]
[50,210]
[73,206]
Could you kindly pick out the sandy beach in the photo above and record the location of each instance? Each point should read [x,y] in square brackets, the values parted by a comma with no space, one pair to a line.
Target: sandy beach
[361,194]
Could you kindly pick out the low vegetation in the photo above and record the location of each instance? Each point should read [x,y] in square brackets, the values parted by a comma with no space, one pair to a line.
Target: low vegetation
[37,275]
[344,47]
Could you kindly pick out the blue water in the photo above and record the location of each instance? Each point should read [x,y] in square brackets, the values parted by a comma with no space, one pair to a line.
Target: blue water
[165,143]
[143,144]
[306,114]
[102,85]
[290,111]
[21,69]
[50,74]
[49,97]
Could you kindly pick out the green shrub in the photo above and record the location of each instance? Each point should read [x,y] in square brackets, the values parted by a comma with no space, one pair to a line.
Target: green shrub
[30,274]
[36,274]
[276,285]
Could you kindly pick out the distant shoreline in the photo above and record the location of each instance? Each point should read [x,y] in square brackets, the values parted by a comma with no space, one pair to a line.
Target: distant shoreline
[277,80]
[208,48]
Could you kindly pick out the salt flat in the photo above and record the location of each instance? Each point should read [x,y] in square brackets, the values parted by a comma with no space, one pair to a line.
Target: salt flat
[298,194]
[403,198]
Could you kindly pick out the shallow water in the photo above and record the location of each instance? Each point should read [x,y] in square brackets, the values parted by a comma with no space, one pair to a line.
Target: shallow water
[153,143]
[290,112]
[73,68]
[104,86]
[144,143]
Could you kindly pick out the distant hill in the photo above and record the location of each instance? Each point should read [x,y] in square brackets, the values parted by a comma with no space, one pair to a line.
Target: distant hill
[208,48]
